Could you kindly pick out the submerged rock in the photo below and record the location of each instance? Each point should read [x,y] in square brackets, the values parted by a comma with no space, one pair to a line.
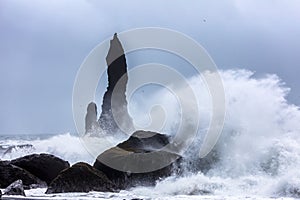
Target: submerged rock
[16,188]
[133,153]
[10,173]
[44,166]
[81,177]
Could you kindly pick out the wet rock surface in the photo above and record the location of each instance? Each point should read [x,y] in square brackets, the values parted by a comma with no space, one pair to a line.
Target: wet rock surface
[44,166]
[134,153]
[144,141]
[10,173]
[81,177]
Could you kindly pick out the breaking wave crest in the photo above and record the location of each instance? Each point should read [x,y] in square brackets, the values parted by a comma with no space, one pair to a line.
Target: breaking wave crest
[258,152]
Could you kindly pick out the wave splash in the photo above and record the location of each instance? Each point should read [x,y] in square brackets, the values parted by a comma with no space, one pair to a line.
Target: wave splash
[66,146]
[258,152]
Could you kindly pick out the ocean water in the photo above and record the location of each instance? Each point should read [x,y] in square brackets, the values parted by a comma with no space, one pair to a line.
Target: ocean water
[256,157]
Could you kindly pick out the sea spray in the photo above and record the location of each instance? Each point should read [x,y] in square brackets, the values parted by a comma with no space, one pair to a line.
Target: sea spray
[258,152]
[259,149]
[65,146]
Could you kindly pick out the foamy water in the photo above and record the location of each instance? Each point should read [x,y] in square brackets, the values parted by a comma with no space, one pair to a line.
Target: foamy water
[258,153]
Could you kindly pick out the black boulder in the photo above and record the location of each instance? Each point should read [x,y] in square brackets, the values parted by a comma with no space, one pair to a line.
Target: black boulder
[44,166]
[81,177]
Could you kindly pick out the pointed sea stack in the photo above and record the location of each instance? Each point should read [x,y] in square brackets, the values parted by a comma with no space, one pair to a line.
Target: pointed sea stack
[117,76]
[91,123]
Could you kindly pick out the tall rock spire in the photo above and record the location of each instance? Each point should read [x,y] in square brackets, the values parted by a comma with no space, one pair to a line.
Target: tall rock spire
[117,75]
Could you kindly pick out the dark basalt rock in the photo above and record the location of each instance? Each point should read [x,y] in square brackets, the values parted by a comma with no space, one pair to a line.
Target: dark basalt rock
[91,123]
[16,188]
[44,166]
[144,141]
[117,75]
[10,173]
[81,177]
[140,143]
[143,148]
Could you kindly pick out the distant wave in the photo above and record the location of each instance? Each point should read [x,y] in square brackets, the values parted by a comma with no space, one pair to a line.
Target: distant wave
[66,146]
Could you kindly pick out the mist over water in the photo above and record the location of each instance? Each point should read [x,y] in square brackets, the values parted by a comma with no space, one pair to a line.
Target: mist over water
[258,152]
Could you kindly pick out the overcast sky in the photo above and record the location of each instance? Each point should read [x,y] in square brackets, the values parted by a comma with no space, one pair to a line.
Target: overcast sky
[43,43]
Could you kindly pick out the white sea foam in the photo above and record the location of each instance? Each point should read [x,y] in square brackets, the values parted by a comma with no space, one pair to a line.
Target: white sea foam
[67,146]
[258,153]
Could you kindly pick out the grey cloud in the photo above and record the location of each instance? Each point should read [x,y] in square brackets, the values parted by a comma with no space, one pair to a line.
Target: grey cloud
[44,42]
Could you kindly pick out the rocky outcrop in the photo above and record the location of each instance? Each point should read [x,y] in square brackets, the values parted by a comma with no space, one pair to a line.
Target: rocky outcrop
[91,123]
[44,166]
[117,82]
[144,141]
[16,188]
[10,173]
[81,177]
[136,147]
[117,76]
